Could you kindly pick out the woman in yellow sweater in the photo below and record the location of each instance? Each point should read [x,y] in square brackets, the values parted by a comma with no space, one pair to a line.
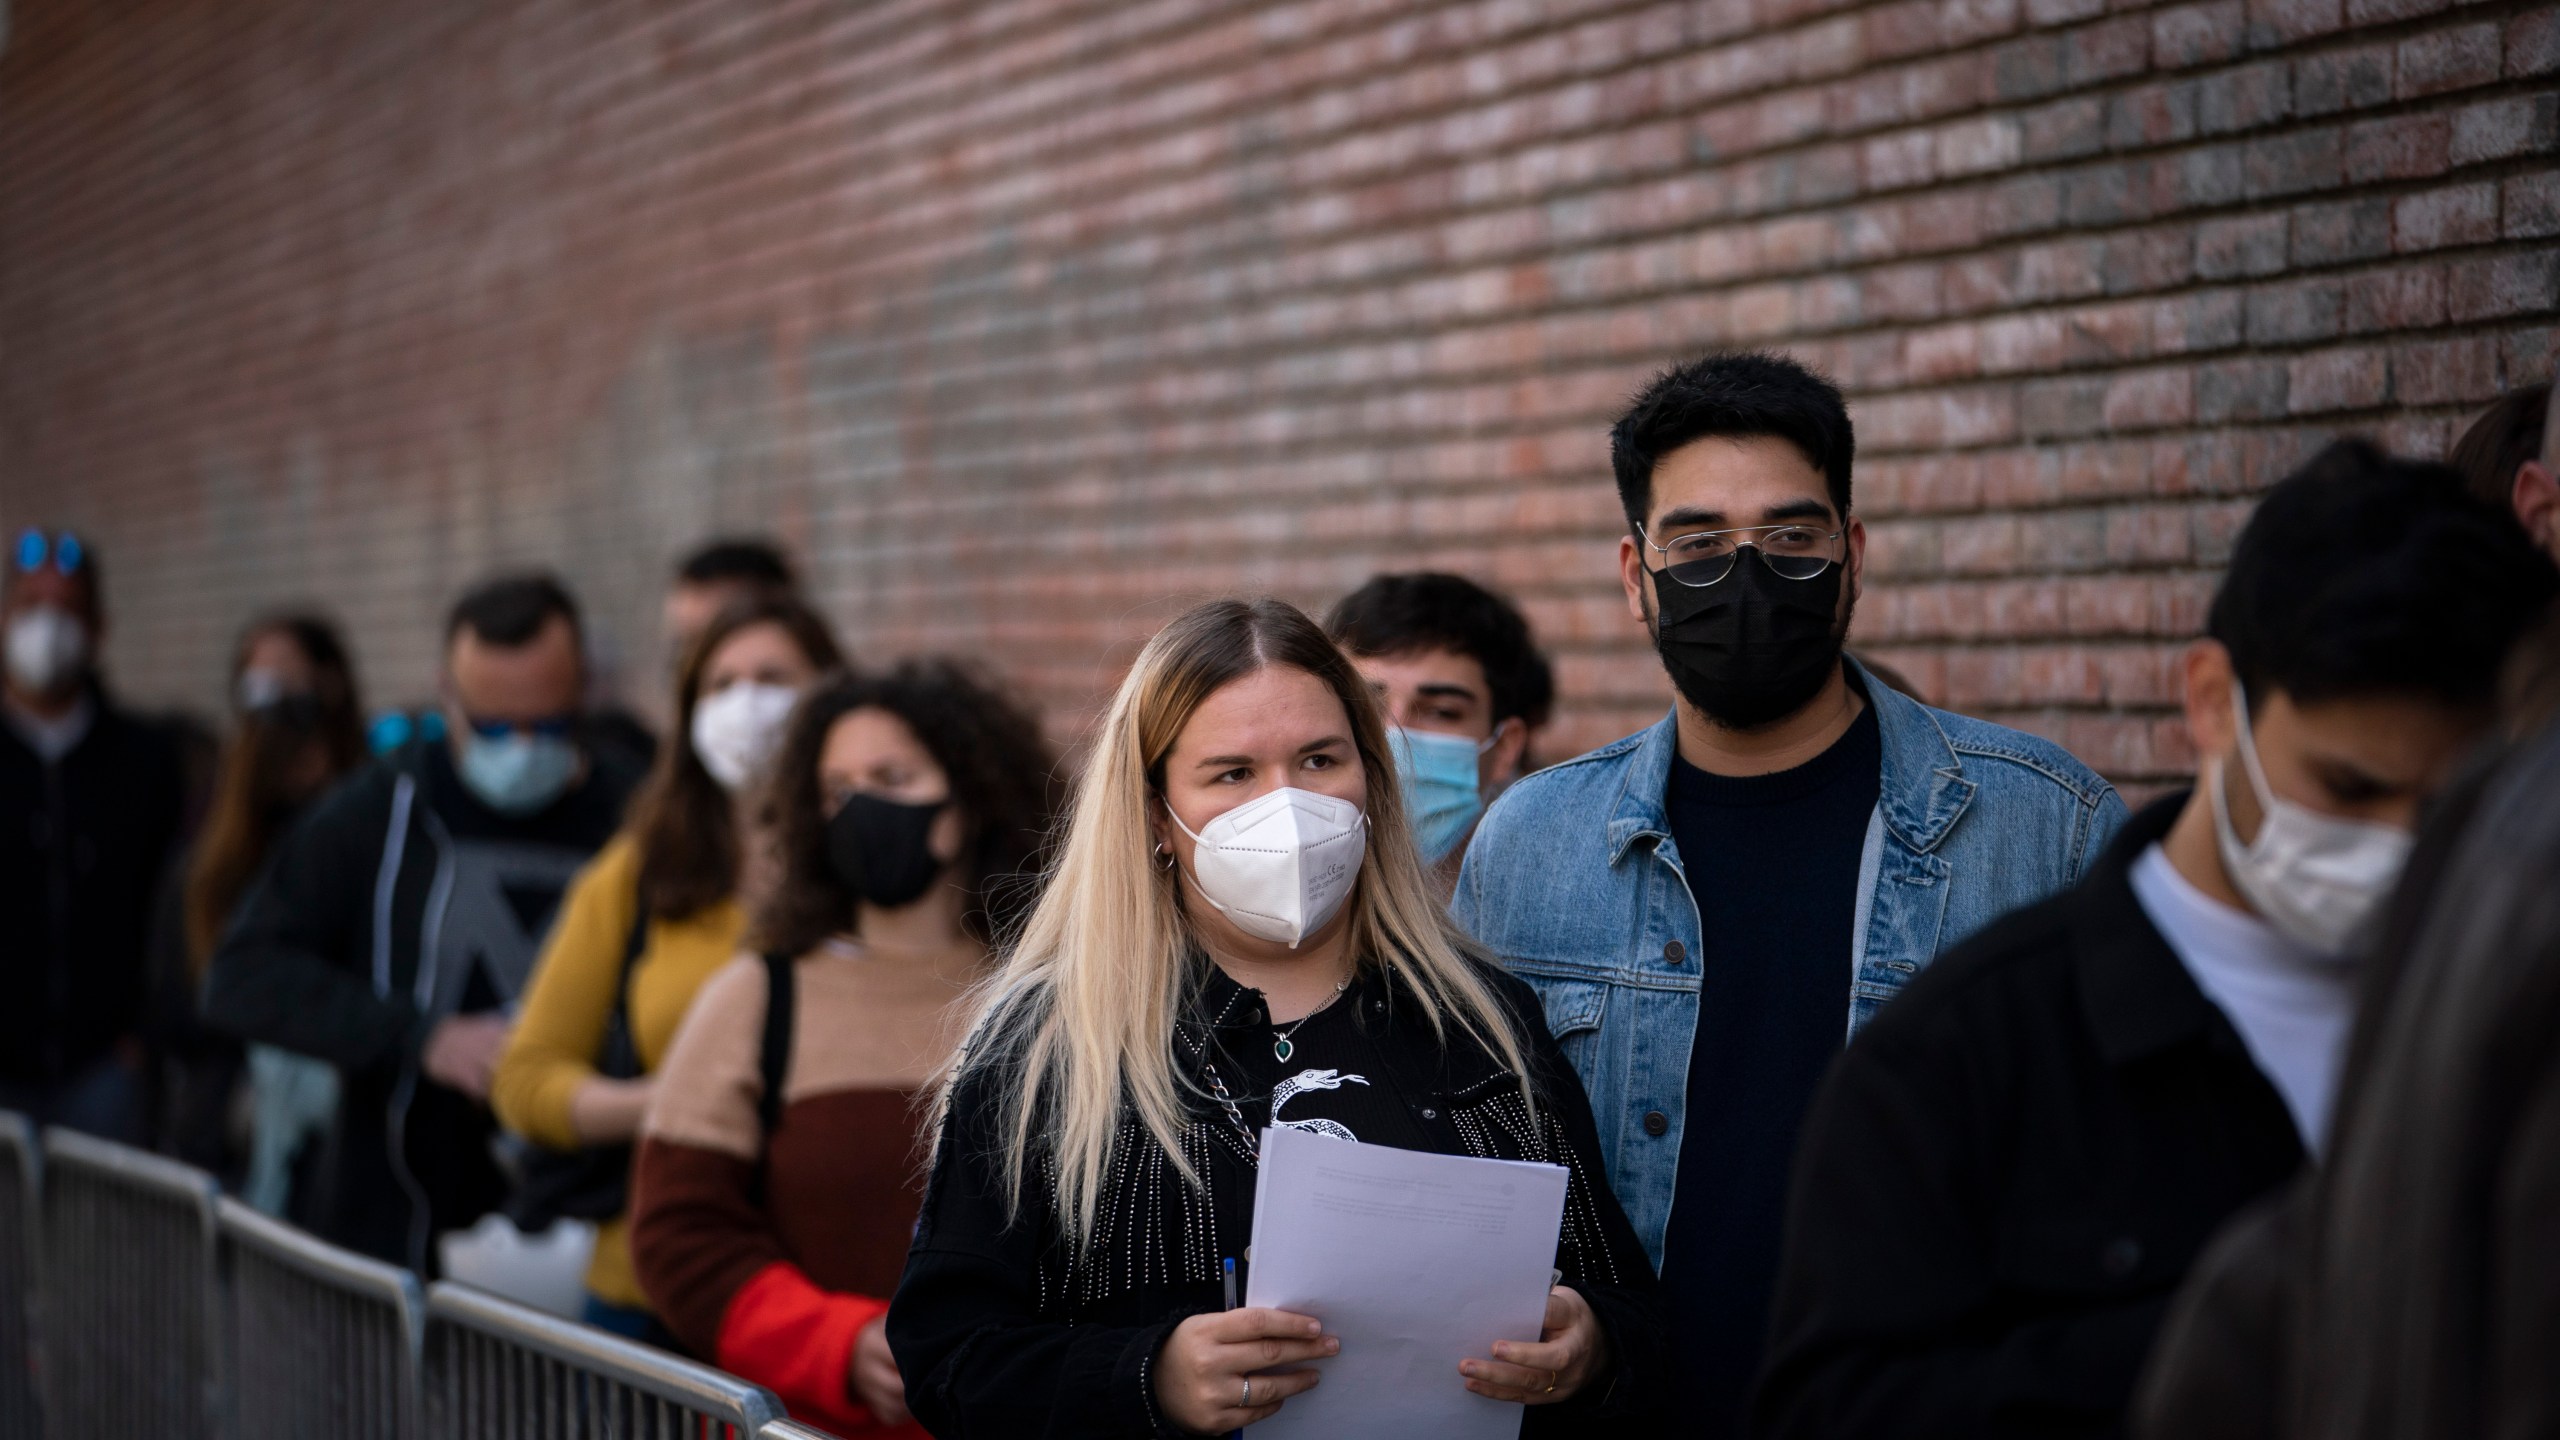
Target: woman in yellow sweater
[658,910]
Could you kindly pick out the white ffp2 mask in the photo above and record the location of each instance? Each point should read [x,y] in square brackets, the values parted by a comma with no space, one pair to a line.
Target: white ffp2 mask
[1279,866]
[46,647]
[736,729]
[2313,876]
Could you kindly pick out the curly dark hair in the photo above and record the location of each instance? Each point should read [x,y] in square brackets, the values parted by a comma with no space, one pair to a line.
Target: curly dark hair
[1004,779]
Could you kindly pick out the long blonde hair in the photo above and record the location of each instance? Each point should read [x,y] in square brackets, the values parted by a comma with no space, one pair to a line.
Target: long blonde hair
[1079,1018]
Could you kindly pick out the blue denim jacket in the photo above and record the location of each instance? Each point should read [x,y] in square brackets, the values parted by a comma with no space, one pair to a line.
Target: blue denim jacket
[1574,883]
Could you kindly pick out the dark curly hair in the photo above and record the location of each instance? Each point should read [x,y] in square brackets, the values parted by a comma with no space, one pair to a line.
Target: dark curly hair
[1004,779]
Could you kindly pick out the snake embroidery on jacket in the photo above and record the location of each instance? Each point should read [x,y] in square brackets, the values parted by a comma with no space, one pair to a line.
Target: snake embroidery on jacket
[1304,1081]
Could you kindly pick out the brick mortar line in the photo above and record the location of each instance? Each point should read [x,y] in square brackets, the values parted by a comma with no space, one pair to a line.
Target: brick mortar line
[2494,173]
[1606,127]
[2501,90]
[1904,63]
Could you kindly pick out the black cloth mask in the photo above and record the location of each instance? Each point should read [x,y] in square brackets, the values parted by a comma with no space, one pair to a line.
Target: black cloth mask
[1752,648]
[879,849]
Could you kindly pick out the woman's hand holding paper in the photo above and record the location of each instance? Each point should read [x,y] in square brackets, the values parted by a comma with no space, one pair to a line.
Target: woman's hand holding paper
[1570,1349]
[1203,1370]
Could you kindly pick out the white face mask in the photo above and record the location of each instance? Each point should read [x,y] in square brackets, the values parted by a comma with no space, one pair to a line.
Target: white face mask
[2313,876]
[46,647]
[1279,867]
[736,729]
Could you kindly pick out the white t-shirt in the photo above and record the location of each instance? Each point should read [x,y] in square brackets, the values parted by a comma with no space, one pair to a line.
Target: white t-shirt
[2291,1004]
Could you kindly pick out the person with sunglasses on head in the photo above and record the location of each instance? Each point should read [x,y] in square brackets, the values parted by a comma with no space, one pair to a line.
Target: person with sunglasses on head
[399,921]
[91,804]
[1709,909]
[2006,1178]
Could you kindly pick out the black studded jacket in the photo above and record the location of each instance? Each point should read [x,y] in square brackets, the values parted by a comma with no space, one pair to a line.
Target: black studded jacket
[1001,1331]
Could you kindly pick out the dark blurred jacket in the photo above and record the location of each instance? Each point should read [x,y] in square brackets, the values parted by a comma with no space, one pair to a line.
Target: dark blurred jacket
[397,901]
[83,843]
[2411,1287]
[2005,1177]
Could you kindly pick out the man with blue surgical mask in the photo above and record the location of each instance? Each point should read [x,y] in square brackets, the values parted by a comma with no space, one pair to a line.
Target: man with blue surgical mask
[1463,687]
[2005,1178]
[400,919]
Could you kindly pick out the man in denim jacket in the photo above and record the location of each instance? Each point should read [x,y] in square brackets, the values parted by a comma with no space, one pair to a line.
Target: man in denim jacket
[1710,908]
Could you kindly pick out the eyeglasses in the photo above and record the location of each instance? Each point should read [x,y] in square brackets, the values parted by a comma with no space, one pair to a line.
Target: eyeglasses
[64,550]
[1792,552]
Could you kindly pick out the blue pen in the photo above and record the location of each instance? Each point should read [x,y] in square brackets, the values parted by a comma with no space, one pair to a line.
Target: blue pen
[1230,1267]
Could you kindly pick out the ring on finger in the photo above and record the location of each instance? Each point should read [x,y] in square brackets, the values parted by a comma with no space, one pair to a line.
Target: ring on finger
[1247,1402]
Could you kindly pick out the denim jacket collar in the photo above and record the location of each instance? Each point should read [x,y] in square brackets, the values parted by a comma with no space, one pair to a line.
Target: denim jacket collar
[1924,790]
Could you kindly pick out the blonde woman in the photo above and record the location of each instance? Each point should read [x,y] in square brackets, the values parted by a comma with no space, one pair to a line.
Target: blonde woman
[1237,933]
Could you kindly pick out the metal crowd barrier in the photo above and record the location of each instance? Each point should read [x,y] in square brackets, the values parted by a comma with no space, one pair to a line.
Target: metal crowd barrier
[496,1368]
[21,1201]
[130,1291]
[323,1342]
[150,1309]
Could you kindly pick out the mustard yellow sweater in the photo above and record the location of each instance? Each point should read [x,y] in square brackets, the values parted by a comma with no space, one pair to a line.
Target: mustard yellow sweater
[561,1028]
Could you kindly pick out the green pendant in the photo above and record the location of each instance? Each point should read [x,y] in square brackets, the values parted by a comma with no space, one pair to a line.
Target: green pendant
[1281,1049]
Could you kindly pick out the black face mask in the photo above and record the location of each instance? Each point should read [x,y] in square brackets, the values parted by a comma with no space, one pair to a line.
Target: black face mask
[1752,648]
[878,849]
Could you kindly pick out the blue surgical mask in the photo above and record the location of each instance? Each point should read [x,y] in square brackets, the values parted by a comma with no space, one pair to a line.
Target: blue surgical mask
[518,773]
[1438,775]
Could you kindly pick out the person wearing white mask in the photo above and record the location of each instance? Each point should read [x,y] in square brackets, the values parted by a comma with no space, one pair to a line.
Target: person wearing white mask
[661,908]
[397,923]
[1236,933]
[1463,687]
[2006,1176]
[90,805]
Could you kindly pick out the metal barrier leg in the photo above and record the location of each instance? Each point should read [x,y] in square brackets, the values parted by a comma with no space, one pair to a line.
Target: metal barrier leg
[21,1203]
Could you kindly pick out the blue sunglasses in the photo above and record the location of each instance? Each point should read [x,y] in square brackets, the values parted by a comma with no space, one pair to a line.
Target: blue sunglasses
[63,550]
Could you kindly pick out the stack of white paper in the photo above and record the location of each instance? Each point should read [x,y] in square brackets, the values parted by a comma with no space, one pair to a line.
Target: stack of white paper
[1418,1262]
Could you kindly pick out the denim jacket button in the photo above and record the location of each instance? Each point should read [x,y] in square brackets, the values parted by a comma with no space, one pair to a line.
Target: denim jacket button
[1675,952]
[1656,1123]
[1430,1114]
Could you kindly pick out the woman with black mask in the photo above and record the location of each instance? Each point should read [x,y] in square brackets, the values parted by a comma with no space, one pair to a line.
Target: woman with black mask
[776,1185]
[297,727]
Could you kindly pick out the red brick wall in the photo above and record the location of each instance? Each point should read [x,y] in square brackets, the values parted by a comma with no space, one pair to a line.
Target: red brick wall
[1026,321]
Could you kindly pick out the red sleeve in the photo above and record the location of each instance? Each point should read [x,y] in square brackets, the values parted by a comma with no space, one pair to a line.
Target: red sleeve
[784,1333]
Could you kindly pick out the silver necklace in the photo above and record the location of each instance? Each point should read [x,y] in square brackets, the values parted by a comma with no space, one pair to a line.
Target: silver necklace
[1281,1049]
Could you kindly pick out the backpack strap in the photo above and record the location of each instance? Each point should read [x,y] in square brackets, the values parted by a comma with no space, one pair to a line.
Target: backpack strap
[619,1057]
[773,1058]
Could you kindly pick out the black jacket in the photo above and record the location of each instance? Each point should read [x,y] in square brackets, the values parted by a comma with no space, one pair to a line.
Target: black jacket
[83,842]
[2409,1287]
[397,900]
[1000,1333]
[2005,1177]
